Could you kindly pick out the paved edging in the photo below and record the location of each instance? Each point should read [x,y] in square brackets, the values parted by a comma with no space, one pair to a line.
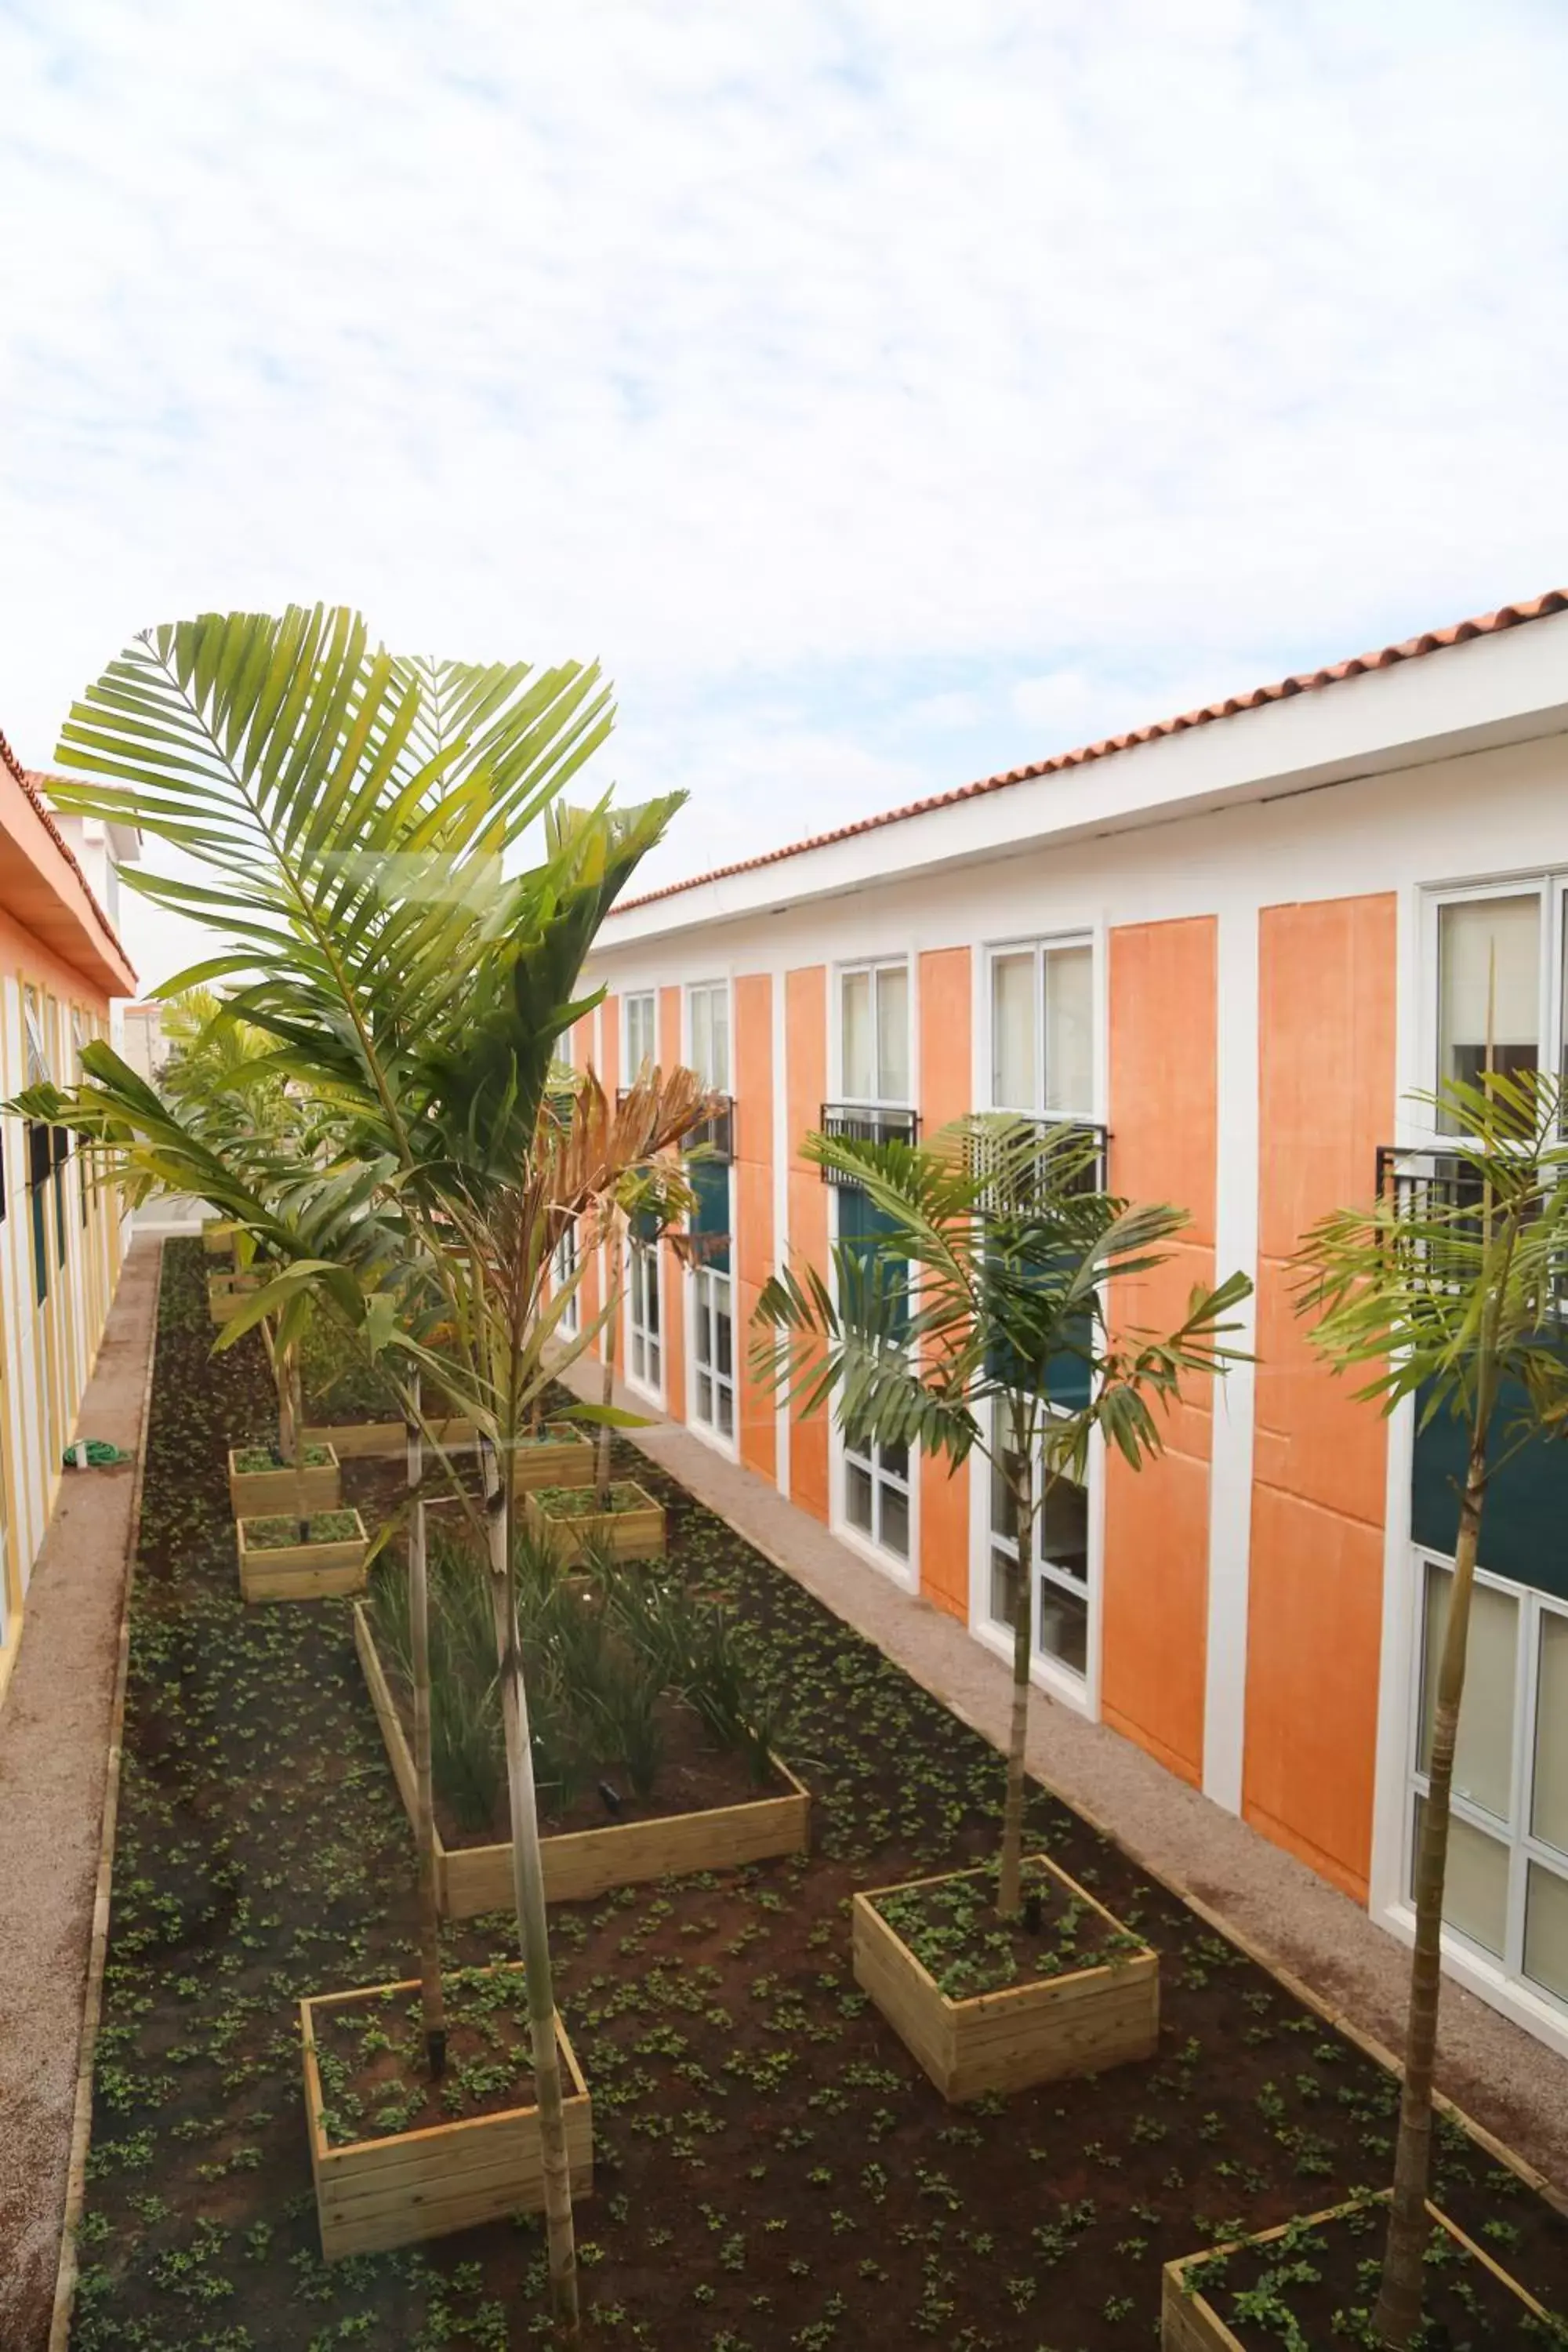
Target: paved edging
[98,1949]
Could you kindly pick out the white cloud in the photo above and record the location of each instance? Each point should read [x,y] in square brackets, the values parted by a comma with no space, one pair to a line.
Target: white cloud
[885,390]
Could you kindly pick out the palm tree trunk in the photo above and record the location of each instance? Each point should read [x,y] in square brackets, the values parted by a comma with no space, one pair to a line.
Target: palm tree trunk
[532,1922]
[431,2003]
[1398,2312]
[607,1388]
[291,1430]
[1009,1893]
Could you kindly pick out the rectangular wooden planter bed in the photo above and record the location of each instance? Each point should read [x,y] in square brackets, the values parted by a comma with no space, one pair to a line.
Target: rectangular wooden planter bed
[308,1572]
[580,1863]
[1104,2014]
[634,1534]
[564,1456]
[1188,2323]
[217,1236]
[253,1494]
[384,1441]
[375,2194]
[226,1294]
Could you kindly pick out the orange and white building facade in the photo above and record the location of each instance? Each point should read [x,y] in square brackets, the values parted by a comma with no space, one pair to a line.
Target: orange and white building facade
[1237,942]
[62,1235]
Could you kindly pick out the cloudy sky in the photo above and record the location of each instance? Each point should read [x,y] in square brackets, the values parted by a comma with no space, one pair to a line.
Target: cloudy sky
[885,390]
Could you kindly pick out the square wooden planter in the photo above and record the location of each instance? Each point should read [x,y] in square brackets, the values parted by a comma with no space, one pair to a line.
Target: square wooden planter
[564,1456]
[308,1572]
[226,1294]
[217,1236]
[375,2194]
[1188,2323]
[580,1863]
[384,1441]
[633,1534]
[258,1494]
[1100,2016]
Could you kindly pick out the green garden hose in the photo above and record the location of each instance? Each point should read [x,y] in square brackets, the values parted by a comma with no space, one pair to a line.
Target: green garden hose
[93,1453]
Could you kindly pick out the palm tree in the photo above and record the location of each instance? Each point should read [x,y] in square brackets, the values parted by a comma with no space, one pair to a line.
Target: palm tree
[351,814]
[977,1312]
[1449,1290]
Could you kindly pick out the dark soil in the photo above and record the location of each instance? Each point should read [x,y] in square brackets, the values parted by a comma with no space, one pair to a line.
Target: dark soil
[1322,2282]
[953,1927]
[773,2171]
[371,2057]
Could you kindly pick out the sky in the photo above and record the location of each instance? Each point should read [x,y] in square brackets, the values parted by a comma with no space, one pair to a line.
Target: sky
[885,392]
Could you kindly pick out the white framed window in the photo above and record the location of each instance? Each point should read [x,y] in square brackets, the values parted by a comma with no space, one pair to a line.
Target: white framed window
[874,1033]
[645,1339]
[708,1033]
[1059,1583]
[563,1268]
[1506,1891]
[639,1034]
[1041,1010]
[1496,968]
[714,1353]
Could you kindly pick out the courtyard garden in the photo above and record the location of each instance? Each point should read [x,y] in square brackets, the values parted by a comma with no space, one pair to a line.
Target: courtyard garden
[772,2167]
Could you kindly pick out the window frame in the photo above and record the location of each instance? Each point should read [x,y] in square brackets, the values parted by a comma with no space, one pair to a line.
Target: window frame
[562,1265]
[1048,1662]
[649,1257]
[1522,1847]
[1039,945]
[723,990]
[1549,885]
[640,997]
[901,961]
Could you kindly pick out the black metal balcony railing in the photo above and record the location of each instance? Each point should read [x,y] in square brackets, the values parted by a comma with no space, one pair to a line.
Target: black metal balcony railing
[1445,1193]
[1072,1155]
[866,1123]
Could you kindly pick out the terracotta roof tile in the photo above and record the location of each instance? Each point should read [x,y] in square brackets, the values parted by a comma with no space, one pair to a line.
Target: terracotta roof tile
[1485,625]
[31,782]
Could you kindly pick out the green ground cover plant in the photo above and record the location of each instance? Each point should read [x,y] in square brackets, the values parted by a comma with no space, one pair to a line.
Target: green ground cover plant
[251,1458]
[274,1532]
[585,1503]
[772,2172]
[951,1926]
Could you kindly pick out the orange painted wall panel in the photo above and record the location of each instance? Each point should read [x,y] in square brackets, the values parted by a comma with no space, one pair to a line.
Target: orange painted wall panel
[946,1092]
[1154,1620]
[1327,986]
[805,1052]
[753,1193]
[672,1293]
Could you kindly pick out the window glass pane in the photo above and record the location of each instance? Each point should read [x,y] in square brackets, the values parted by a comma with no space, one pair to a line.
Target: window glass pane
[895,1530]
[1546,1930]
[726,1412]
[1548,1806]
[702,1033]
[1064,1534]
[858,1496]
[1483,1759]
[894,1460]
[1013,1033]
[1488,967]
[857,1036]
[1003,1587]
[892,1036]
[1475,1889]
[718,1071]
[723,1348]
[1069,1030]
[1063,1628]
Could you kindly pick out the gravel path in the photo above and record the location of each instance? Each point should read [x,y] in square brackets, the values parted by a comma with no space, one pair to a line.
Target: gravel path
[1501,2076]
[54,1740]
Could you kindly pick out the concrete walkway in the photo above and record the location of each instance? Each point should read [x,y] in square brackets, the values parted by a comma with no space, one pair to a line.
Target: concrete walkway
[54,1744]
[1500,2076]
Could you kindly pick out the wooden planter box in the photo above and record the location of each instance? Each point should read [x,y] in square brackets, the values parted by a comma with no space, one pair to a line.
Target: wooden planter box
[375,2194]
[384,1441]
[308,1571]
[217,1236]
[226,1294]
[1100,2016]
[580,1863]
[259,1494]
[563,1457]
[1189,2324]
[634,1534]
